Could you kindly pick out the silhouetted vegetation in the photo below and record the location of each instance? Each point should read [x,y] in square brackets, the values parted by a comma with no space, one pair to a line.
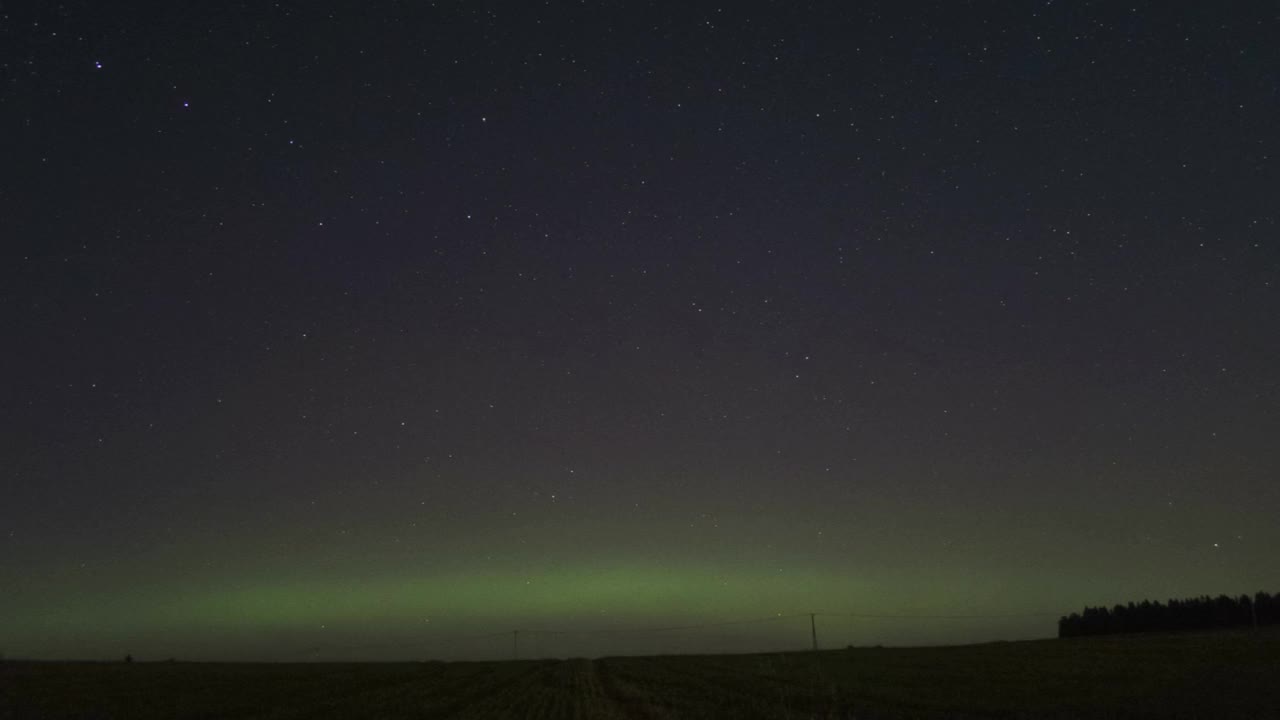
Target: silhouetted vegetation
[1201,613]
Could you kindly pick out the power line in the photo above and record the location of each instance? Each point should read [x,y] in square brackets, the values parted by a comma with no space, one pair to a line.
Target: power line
[673,628]
[886,616]
[534,633]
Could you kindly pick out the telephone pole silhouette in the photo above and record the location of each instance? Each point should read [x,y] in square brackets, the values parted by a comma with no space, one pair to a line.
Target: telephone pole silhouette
[813,630]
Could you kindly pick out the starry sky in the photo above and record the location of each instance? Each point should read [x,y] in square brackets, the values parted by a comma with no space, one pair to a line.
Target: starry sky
[374,330]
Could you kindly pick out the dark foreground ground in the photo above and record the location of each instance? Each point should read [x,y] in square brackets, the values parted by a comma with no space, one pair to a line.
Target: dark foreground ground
[1218,675]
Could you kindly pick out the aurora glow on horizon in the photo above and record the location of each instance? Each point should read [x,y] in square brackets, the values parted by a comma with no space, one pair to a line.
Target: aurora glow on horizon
[382,336]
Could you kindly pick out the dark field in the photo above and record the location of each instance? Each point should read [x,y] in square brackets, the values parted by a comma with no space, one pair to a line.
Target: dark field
[1229,674]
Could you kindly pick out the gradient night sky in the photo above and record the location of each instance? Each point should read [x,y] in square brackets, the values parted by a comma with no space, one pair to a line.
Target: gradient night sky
[355,326]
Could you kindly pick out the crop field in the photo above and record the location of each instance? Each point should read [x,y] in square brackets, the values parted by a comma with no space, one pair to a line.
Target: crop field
[1211,675]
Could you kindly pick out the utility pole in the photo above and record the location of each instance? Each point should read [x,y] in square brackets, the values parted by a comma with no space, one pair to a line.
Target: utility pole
[515,644]
[813,630]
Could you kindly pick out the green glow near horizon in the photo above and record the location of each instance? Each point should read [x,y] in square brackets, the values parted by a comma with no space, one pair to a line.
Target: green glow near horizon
[311,611]
[259,605]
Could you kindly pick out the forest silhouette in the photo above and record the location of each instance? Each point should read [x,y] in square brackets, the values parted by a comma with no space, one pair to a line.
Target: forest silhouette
[1198,613]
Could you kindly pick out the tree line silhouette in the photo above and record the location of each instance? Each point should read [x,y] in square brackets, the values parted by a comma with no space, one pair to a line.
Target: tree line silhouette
[1200,613]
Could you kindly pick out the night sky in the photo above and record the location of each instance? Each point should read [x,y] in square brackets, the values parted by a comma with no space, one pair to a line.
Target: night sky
[357,330]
